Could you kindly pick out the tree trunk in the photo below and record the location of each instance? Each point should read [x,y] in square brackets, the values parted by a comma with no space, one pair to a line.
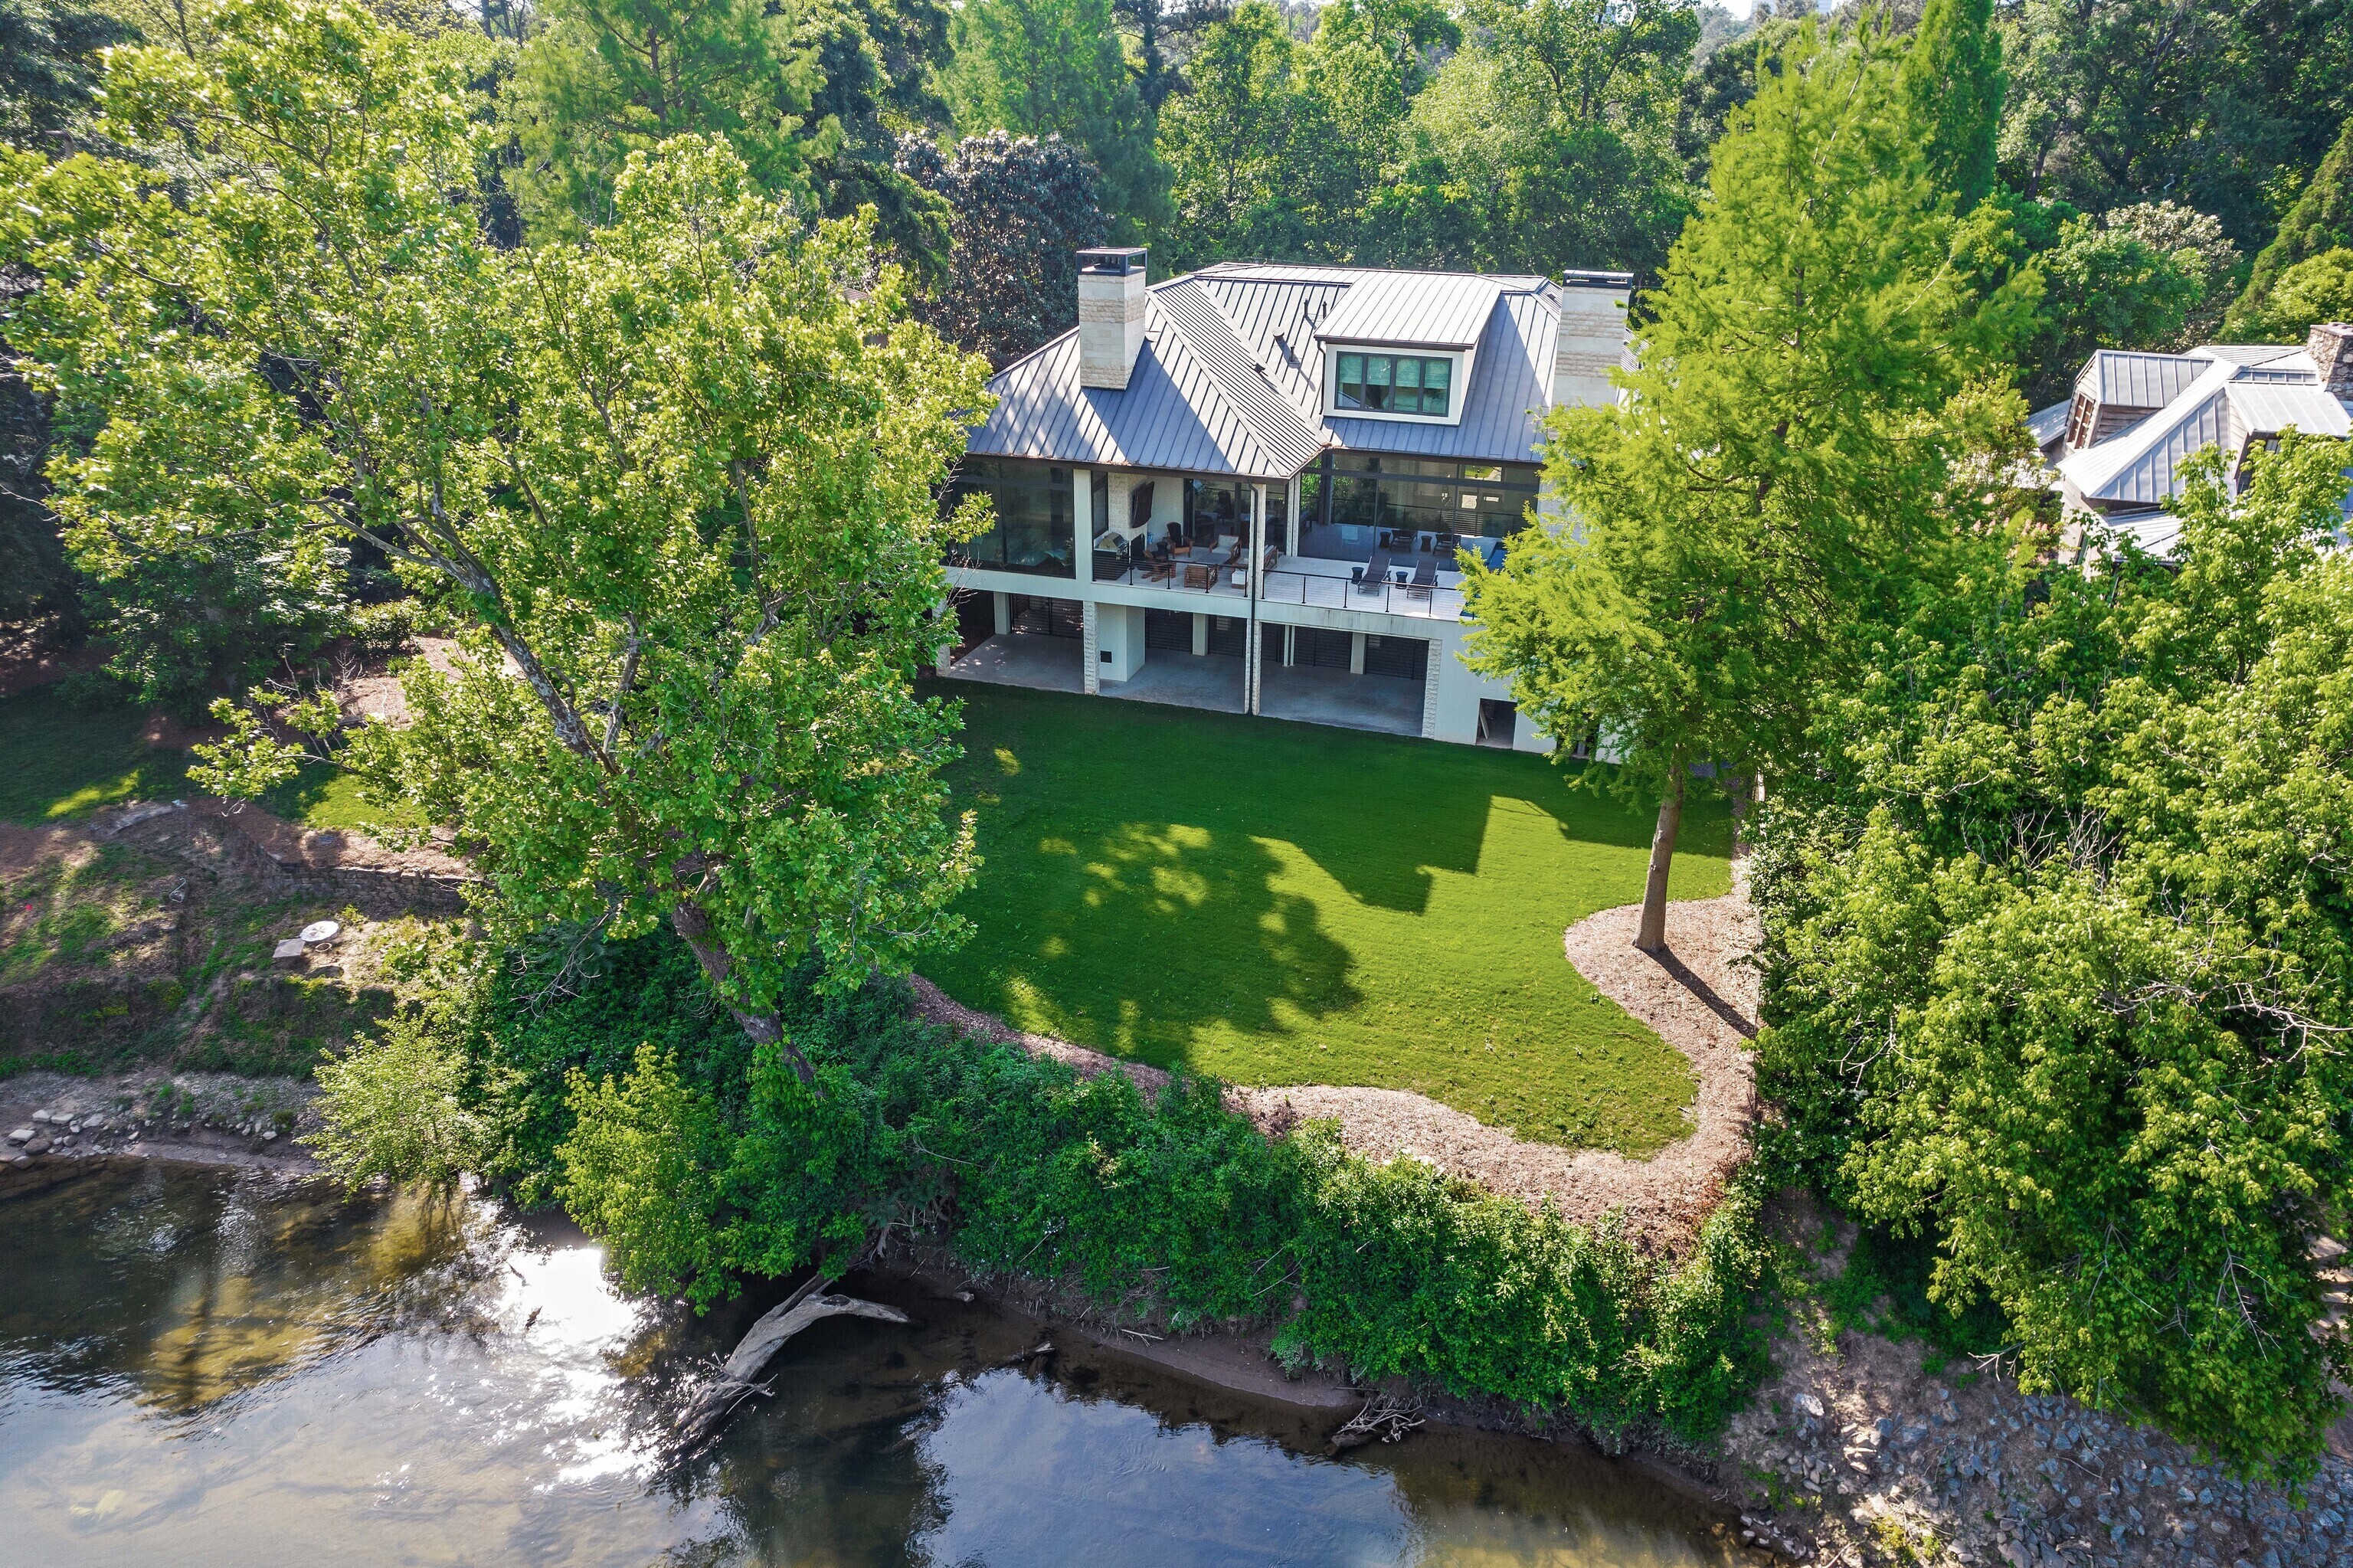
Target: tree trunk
[1652,935]
[693,927]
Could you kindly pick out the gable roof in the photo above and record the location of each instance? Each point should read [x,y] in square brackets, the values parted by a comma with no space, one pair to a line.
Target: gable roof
[2231,403]
[1230,379]
[2127,380]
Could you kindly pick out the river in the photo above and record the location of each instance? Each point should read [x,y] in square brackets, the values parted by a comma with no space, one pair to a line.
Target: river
[202,1367]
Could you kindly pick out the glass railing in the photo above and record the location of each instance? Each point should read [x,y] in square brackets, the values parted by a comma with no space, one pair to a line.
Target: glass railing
[1426,601]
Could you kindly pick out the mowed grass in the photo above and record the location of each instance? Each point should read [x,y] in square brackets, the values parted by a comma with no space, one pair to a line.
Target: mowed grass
[61,759]
[1279,904]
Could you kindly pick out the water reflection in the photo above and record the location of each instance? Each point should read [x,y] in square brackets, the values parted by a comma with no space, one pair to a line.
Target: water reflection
[206,1368]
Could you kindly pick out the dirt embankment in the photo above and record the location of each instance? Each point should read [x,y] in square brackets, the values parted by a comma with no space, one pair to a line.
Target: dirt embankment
[150,934]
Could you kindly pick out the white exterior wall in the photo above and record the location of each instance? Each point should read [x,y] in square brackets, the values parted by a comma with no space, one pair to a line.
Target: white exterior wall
[1119,641]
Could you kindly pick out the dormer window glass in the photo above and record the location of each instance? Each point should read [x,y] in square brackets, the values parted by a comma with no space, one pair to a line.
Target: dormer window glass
[1394,383]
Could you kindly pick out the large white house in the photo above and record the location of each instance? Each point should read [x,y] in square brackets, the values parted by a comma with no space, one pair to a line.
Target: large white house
[2118,447]
[1247,488]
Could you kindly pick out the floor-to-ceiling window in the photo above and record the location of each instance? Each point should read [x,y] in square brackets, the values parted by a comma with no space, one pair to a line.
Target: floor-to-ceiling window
[1352,503]
[1034,531]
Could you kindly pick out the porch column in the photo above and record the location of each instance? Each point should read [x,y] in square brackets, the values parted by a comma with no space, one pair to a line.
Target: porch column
[1291,517]
[1257,587]
[1087,644]
[1003,608]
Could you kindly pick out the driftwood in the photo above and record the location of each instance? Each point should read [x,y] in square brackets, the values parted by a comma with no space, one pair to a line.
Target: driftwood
[1382,1419]
[734,1383]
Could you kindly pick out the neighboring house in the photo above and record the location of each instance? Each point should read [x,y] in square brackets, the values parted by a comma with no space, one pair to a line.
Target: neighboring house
[2118,445]
[1247,488]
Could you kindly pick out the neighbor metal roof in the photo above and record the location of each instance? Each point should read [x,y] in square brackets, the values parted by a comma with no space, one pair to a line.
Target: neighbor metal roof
[1230,378]
[2267,407]
[2138,467]
[2127,380]
[2047,425]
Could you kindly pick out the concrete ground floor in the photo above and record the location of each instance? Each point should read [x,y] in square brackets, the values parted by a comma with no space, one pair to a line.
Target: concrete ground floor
[1381,702]
[1210,680]
[1019,659]
[1354,669]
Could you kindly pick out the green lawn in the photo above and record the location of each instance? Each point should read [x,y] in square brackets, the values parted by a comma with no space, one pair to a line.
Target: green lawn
[61,760]
[1280,904]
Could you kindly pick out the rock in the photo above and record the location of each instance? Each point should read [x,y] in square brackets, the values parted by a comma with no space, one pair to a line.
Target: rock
[288,952]
[15,1157]
[22,1135]
[36,1144]
[45,1116]
[269,1137]
[1810,1405]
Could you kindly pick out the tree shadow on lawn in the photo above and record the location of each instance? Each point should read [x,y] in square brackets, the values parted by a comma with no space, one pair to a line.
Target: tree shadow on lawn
[1143,881]
[1380,814]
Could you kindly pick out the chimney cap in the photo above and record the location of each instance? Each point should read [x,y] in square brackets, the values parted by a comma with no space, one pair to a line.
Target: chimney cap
[1111,261]
[1577,279]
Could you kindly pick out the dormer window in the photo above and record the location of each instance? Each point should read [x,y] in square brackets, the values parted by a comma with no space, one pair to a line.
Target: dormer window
[1393,384]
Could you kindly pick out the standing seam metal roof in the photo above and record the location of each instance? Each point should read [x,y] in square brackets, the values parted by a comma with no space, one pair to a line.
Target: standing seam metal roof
[1230,378]
[2127,380]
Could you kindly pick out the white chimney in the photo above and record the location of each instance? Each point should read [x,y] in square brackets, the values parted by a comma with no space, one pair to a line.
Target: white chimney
[1111,315]
[2331,347]
[1592,339]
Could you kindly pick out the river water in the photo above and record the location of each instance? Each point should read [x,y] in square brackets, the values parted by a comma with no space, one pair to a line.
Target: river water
[204,1367]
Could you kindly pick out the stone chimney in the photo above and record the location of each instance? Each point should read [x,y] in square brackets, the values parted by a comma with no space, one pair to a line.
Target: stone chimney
[2331,347]
[1111,315]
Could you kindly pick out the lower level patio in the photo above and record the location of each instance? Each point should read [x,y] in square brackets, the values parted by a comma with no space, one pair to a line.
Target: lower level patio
[1040,663]
[1212,680]
[1310,696]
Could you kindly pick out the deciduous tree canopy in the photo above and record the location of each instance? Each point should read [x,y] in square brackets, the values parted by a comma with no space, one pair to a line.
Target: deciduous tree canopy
[675,482]
[2059,956]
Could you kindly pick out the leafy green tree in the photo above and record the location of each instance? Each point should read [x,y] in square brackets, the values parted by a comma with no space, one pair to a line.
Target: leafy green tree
[1021,209]
[2316,289]
[1157,25]
[1368,61]
[2321,220]
[1055,67]
[2118,102]
[608,77]
[674,482]
[1546,142]
[1232,144]
[2107,285]
[1953,80]
[2057,952]
[48,69]
[1795,449]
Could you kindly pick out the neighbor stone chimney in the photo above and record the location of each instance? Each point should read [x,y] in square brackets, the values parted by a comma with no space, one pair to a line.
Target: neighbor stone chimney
[2331,347]
[1111,315]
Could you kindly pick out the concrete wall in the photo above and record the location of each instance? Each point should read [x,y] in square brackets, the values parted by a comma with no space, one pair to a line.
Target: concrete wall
[1592,344]
[1119,641]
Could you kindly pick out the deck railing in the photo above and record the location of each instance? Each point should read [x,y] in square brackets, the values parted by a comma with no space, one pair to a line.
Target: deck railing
[1426,601]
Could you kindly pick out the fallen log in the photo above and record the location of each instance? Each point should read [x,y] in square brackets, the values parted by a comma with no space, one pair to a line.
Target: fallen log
[1383,1419]
[735,1383]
